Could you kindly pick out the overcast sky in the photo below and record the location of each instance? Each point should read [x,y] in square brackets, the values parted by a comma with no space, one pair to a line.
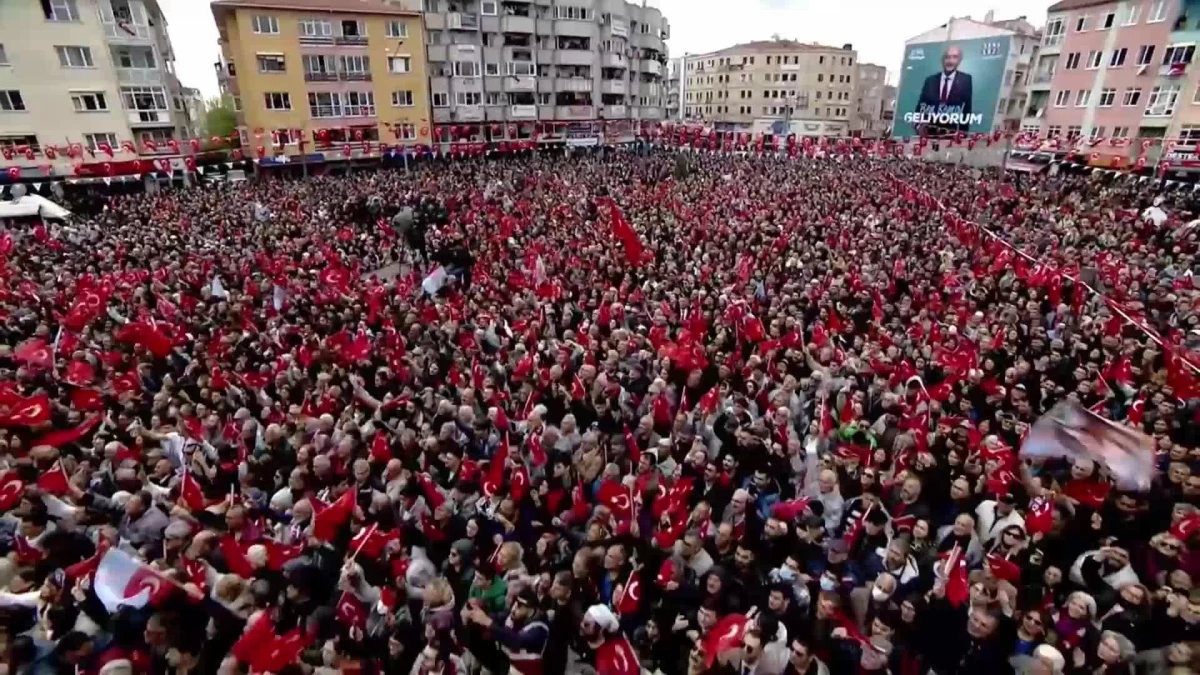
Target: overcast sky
[876,28]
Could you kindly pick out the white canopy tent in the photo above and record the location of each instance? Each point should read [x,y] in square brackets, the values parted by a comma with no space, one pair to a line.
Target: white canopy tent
[32,205]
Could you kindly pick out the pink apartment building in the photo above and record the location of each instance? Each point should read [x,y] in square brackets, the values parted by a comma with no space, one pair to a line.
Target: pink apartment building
[1106,71]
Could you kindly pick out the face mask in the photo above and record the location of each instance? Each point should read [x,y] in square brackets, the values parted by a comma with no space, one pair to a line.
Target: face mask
[878,595]
[828,584]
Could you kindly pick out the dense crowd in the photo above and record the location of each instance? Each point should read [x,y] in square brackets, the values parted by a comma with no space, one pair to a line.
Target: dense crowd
[621,414]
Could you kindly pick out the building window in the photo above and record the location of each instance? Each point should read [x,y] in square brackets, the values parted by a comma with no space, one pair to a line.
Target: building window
[1131,14]
[3,56]
[353,29]
[1179,54]
[1074,131]
[318,64]
[147,101]
[1158,12]
[1145,55]
[1061,97]
[440,99]
[1131,97]
[74,57]
[544,99]
[1118,58]
[581,14]
[237,104]
[358,104]
[1081,24]
[466,69]
[1054,131]
[271,63]
[402,99]
[493,98]
[60,10]
[1196,96]
[1081,97]
[265,24]
[316,28]
[11,101]
[468,98]
[488,8]
[93,141]
[397,29]
[1107,97]
[1189,134]
[1072,61]
[1108,20]
[1120,132]
[1162,101]
[1096,132]
[159,136]
[89,101]
[491,68]
[133,57]
[278,100]
[1094,59]
[324,104]
[400,64]
[521,68]
[355,64]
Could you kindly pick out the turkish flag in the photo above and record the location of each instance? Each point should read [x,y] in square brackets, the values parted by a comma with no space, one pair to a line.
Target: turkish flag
[614,495]
[370,542]
[350,611]
[190,493]
[631,598]
[35,352]
[79,373]
[280,554]
[380,450]
[327,523]
[11,490]
[28,412]
[726,634]
[86,400]
[235,557]
[280,652]
[616,657]
[61,437]
[129,383]
[259,633]
[145,335]
[55,481]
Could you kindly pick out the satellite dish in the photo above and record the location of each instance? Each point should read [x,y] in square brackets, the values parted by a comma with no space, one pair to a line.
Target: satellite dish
[18,191]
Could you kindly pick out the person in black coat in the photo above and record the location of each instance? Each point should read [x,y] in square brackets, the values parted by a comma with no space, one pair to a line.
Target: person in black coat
[970,641]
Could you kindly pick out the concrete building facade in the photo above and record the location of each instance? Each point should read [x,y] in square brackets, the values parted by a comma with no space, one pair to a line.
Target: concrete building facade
[79,78]
[774,86]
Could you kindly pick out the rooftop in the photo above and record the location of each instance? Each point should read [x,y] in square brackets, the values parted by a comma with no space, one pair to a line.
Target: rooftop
[406,7]
[769,46]
[1064,5]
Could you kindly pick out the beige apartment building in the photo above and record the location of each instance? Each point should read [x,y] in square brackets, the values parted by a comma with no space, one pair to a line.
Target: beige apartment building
[775,86]
[870,101]
[90,74]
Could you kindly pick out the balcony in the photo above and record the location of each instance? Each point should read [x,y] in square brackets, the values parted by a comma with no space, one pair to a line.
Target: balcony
[1052,41]
[149,118]
[460,21]
[573,84]
[139,76]
[613,112]
[574,112]
[351,40]
[575,57]
[517,24]
[125,32]
[611,60]
[468,113]
[316,39]
[320,77]
[436,53]
[1041,80]
[523,112]
[650,113]
[354,77]
[650,66]
[573,28]
[648,41]
[614,87]
[514,83]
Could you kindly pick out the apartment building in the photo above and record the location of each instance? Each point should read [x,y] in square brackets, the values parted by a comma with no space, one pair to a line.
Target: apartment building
[773,86]
[315,77]
[555,68]
[1025,39]
[869,99]
[1112,70]
[81,77]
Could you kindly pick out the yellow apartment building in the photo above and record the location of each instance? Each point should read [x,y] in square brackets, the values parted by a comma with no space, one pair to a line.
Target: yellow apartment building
[324,76]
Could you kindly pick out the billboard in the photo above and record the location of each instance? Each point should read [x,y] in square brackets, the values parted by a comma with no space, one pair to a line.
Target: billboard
[951,86]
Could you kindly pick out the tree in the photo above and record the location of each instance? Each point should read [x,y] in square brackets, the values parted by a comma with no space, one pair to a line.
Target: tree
[219,117]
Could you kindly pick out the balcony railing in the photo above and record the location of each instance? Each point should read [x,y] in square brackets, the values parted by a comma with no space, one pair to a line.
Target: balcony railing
[1043,78]
[355,77]
[460,21]
[350,40]
[139,76]
[320,77]
[1052,40]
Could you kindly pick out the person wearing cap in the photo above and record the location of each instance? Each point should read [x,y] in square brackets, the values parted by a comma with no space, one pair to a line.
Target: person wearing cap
[517,643]
[994,516]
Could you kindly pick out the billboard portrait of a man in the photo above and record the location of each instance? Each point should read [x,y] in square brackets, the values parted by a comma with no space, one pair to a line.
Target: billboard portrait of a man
[948,92]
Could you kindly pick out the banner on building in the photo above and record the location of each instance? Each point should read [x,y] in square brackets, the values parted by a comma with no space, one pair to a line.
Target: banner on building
[950,87]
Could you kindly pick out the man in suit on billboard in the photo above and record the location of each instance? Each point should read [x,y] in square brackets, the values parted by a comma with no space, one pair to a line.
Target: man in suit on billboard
[948,91]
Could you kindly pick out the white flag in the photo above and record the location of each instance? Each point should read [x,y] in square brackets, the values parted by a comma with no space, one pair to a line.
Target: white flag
[218,290]
[278,297]
[122,581]
[434,281]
